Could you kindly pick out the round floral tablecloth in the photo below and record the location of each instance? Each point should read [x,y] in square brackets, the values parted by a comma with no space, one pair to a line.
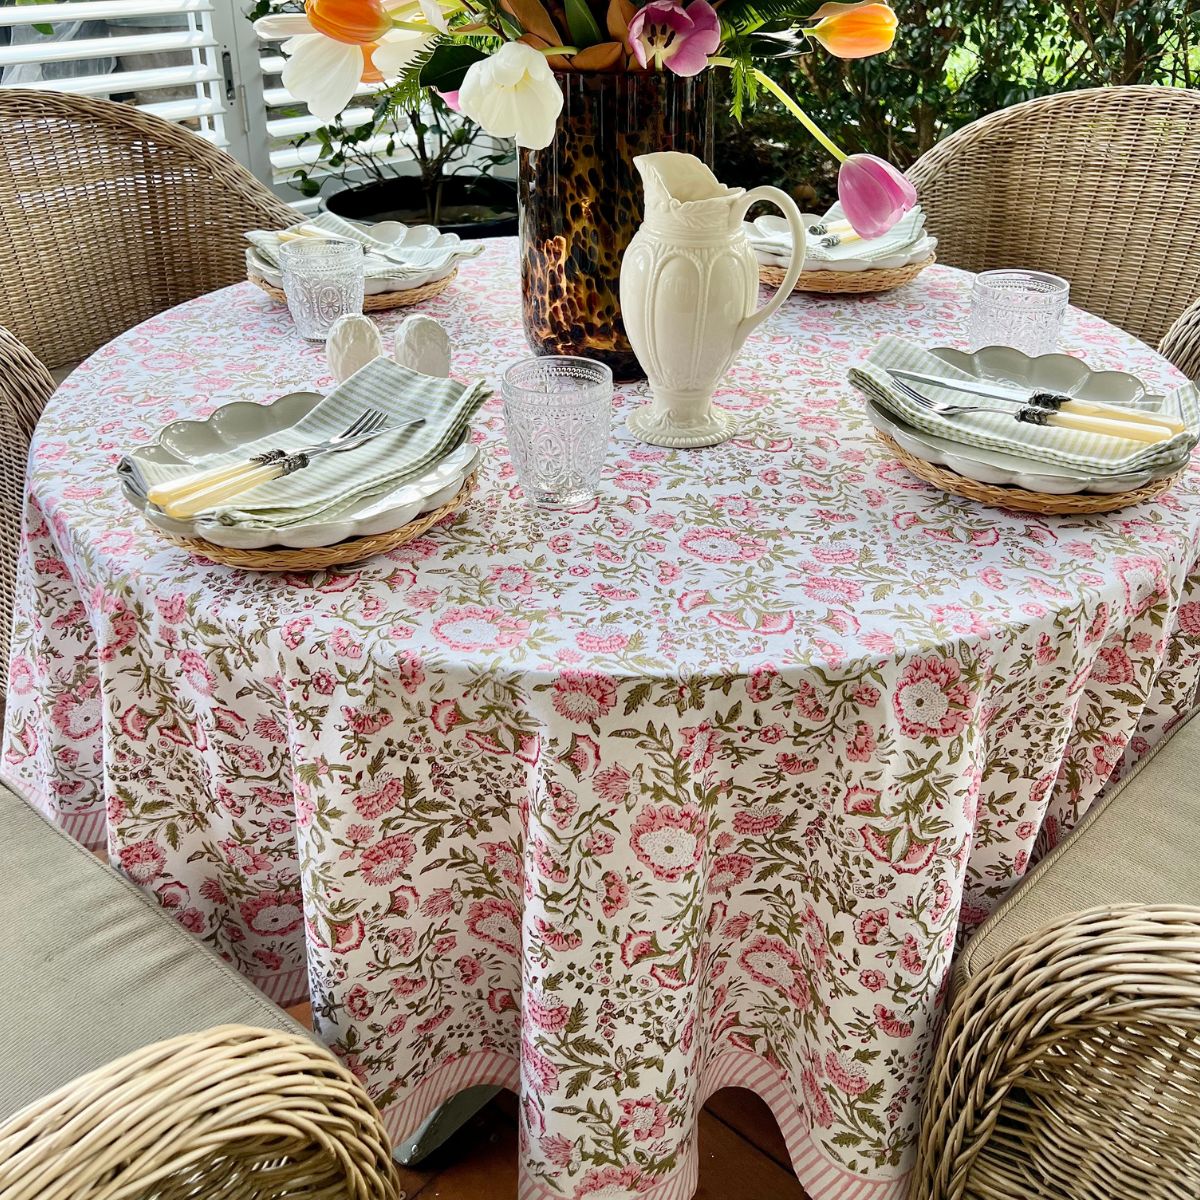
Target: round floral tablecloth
[693,789]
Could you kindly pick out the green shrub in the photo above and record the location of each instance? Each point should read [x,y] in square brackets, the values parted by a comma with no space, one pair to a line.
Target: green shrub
[952,63]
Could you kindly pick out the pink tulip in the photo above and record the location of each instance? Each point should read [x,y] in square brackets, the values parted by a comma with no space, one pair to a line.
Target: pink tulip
[874,195]
[450,99]
[672,37]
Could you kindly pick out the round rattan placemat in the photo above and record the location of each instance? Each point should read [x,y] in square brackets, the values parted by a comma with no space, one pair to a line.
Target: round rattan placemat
[318,558]
[381,301]
[847,283]
[1019,499]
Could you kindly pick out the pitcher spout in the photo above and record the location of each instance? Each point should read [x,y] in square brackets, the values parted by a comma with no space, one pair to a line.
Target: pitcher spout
[671,180]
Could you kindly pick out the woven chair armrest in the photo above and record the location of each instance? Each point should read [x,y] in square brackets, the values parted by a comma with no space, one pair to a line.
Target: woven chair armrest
[231,1111]
[1092,971]
[1181,343]
[25,385]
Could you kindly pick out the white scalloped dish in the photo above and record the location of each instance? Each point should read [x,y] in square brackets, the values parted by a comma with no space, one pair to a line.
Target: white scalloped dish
[241,422]
[1048,372]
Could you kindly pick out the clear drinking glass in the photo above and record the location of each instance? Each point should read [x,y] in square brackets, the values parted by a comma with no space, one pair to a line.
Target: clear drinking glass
[323,280]
[558,414]
[1022,309]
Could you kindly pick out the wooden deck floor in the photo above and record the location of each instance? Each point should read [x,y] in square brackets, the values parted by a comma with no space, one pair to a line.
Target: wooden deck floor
[742,1155]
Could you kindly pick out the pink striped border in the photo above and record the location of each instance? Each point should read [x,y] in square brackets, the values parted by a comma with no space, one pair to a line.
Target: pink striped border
[285,989]
[821,1178]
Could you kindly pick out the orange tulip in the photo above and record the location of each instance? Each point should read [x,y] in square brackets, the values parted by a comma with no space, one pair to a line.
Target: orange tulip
[352,22]
[854,30]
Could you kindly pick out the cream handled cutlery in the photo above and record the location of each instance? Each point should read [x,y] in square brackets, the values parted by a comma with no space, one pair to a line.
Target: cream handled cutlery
[1051,401]
[206,489]
[1032,414]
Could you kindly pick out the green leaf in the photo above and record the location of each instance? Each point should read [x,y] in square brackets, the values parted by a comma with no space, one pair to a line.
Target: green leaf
[42,27]
[447,66]
[582,24]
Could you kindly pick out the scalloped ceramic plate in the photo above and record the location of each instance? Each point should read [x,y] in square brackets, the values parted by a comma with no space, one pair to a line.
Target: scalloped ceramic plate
[770,237]
[1049,372]
[236,424]
[410,246]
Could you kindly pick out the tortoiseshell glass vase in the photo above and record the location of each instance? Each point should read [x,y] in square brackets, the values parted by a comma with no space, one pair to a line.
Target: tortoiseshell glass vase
[581,203]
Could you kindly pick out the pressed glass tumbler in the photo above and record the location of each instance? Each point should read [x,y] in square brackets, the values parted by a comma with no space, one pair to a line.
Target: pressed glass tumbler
[558,415]
[1022,309]
[322,280]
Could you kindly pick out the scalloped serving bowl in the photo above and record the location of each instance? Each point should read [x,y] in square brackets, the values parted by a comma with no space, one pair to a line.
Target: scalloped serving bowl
[1047,372]
[235,424]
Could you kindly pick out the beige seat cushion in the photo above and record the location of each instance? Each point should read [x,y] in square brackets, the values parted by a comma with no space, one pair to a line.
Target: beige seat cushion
[1139,845]
[92,969]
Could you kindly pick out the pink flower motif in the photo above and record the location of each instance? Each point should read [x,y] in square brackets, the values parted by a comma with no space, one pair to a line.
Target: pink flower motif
[862,745]
[848,1076]
[611,1181]
[497,922]
[471,627]
[668,840]
[645,1117]
[551,1014]
[818,1103]
[667,34]
[870,925]
[276,912]
[715,545]
[1189,618]
[774,963]
[613,643]
[468,969]
[890,1023]
[754,822]
[728,871]
[142,861]
[827,589]
[559,1151]
[636,947]
[409,671]
[537,1067]
[872,980]
[583,696]
[444,715]
[700,743]
[910,956]
[512,579]
[931,699]
[616,894]
[1112,666]
[612,784]
[386,861]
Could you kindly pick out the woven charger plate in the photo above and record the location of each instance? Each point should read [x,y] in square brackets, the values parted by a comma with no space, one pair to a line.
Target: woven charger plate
[318,558]
[848,283]
[1019,499]
[381,301]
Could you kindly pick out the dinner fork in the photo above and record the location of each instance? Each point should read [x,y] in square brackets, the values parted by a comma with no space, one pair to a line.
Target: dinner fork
[367,422]
[1031,414]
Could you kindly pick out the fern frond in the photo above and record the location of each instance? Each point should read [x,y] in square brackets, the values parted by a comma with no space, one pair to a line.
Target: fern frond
[746,16]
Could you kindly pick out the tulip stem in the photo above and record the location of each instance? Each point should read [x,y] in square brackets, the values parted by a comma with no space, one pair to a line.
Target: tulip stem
[566,51]
[792,107]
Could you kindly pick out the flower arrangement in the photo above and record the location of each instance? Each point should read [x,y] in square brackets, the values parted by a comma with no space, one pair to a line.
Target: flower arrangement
[495,61]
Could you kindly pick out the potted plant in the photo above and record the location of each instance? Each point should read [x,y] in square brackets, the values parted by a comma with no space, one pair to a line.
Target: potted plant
[454,185]
[583,87]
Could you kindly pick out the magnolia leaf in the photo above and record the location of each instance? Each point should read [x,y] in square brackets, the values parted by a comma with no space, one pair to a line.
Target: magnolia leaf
[602,57]
[583,28]
[620,13]
[534,19]
[448,64]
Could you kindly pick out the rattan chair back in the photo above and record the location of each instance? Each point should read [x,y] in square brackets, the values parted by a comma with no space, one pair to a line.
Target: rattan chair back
[108,216]
[1069,1068]
[232,1113]
[1101,186]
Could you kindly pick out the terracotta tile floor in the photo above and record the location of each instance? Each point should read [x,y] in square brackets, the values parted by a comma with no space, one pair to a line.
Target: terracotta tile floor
[742,1155]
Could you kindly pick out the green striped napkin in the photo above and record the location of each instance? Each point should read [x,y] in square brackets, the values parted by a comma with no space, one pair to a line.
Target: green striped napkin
[997,429]
[333,480]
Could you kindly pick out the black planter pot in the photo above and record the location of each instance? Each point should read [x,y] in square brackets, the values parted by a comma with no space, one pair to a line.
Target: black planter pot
[402,199]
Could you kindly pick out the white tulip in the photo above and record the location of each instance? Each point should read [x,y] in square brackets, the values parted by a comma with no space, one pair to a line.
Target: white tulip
[324,73]
[513,93]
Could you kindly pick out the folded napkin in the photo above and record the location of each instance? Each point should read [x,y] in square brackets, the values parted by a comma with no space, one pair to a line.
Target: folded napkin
[771,239]
[332,482]
[383,259]
[996,429]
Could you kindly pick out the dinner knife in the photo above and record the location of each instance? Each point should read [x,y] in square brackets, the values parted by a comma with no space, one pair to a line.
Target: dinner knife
[1054,401]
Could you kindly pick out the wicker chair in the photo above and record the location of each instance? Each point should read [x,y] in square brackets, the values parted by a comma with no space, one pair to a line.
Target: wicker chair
[1069,1066]
[108,216]
[25,386]
[234,1113]
[1101,186]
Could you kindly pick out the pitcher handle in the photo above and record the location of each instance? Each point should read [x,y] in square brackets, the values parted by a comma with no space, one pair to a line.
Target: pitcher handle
[787,206]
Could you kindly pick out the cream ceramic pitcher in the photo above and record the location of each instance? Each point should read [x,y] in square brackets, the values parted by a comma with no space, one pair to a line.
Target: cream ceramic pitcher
[689,283]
